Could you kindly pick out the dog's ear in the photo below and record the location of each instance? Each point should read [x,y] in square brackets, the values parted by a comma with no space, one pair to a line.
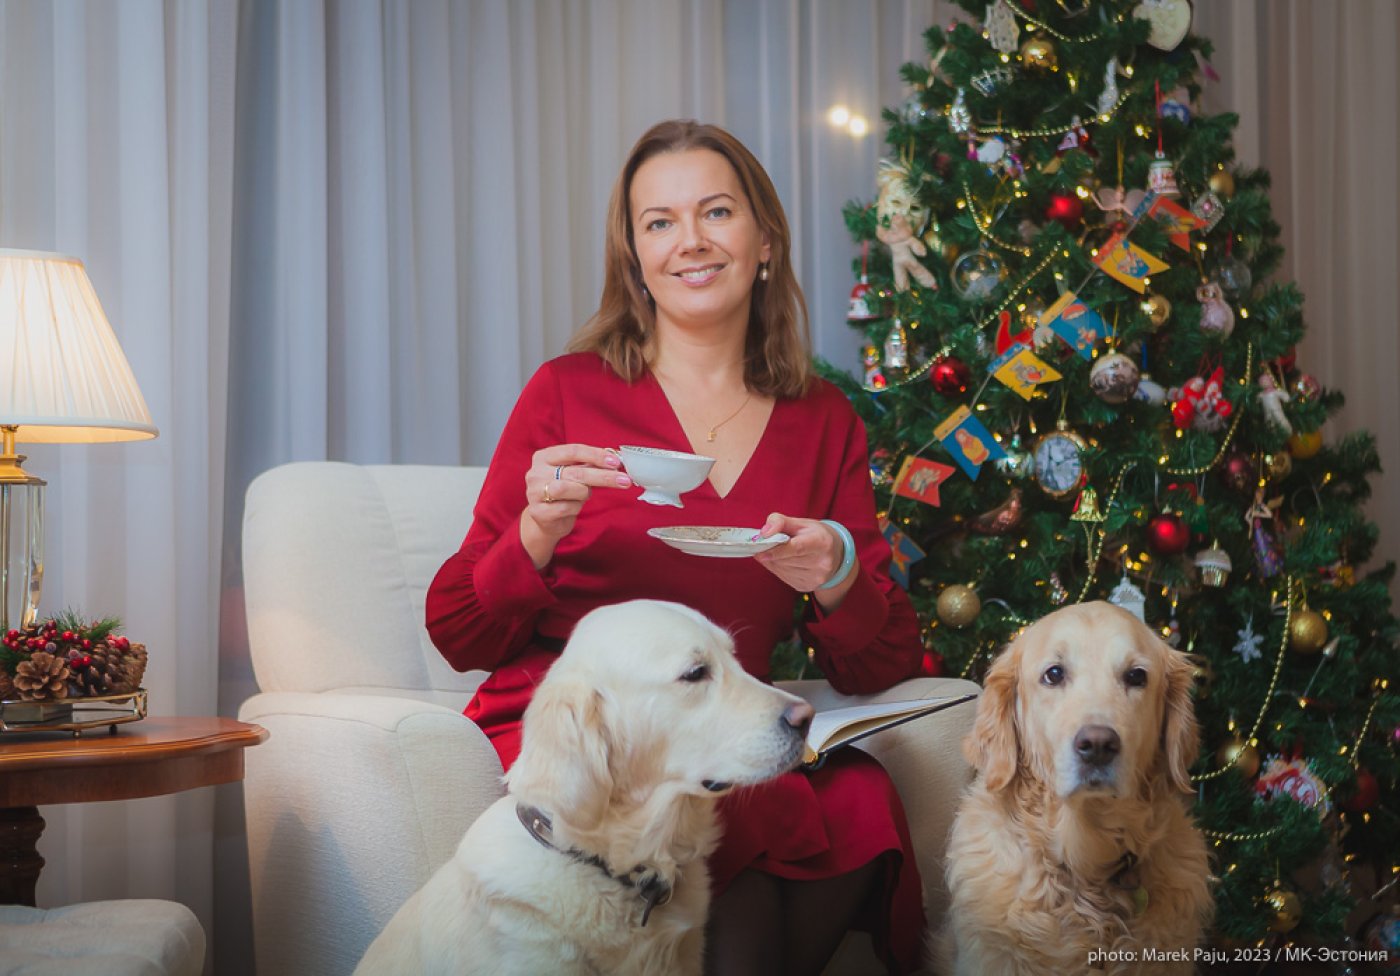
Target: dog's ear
[1181,738]
[563,764]
[992,746]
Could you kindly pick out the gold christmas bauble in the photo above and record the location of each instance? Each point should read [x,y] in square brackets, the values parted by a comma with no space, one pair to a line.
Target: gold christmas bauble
[1222,183]
[1248,762]
[1305,444]
[1277,465]
[1158,310]
[1307,632]
[1287,909]
[950,251]
[1039,54]
[958,605]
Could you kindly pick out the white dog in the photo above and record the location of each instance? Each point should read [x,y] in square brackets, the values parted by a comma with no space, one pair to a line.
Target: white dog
[1074,850]
[594,862]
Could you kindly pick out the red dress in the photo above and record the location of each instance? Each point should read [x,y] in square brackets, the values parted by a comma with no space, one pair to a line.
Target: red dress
[489,608]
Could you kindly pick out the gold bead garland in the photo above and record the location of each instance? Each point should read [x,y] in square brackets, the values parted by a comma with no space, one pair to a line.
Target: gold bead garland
[1034,21]
[1239,838]
[983,223]
[1365,727]
[1229,435]
[1049,131]
[1273,683]
[1006,303]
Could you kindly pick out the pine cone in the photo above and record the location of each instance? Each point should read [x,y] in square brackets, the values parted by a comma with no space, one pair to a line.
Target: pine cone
[129,667]
[91,673]
[42,677]
[7,687]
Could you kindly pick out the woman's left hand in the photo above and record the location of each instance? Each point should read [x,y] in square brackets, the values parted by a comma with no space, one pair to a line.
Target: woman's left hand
[812,556]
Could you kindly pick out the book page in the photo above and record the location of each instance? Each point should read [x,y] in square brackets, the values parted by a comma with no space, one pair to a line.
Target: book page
[837,726]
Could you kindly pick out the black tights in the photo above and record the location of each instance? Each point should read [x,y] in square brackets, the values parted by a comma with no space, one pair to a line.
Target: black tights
[766,926]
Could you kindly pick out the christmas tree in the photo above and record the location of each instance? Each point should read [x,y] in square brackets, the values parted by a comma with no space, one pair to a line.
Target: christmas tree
[1081,384]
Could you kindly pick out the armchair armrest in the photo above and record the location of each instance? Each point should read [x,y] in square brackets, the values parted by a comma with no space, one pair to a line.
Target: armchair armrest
[361,795]
[924,758]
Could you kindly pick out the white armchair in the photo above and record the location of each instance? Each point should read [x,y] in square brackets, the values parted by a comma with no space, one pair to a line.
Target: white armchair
[371,774]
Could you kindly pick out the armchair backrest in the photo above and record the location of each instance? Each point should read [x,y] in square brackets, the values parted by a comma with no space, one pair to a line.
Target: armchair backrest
[336,564]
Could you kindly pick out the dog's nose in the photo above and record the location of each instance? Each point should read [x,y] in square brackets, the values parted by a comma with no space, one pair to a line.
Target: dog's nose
[798,715]
[1097,745]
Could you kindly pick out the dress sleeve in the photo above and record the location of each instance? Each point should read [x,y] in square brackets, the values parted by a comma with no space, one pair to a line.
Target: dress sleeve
[482,604]
[871,641]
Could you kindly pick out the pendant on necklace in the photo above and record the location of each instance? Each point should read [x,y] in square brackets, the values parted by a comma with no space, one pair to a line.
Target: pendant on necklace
[711,436]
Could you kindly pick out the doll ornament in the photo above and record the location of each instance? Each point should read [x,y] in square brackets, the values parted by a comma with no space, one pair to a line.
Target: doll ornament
[898,211]
[1272,397]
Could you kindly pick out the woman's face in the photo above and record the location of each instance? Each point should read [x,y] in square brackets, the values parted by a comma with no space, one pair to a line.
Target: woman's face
[697,241]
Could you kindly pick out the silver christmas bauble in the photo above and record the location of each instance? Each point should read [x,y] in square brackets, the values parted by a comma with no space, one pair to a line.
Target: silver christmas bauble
[976,275]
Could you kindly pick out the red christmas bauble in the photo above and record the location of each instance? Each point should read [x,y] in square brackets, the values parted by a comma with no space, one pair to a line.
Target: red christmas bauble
[1237,472]
[1066,208]
[1368,791]
[1168,534]
[949,375]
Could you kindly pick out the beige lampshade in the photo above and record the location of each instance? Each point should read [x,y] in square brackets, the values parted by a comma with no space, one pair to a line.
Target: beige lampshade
[63,376]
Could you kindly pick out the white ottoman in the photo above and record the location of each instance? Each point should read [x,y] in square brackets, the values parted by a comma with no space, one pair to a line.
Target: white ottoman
[132,937]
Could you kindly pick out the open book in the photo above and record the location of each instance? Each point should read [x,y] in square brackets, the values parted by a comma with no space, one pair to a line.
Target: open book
[836,727]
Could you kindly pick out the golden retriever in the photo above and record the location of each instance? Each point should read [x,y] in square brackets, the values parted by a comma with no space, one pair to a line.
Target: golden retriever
[594,861]
[1074,850]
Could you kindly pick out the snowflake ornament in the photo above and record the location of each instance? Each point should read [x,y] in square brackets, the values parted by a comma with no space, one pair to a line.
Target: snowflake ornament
[1247,643]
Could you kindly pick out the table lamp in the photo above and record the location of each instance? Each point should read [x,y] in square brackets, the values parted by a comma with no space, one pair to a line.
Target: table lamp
[63,379]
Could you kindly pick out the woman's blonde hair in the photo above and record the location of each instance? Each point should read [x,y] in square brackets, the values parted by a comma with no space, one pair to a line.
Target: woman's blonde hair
[777,353]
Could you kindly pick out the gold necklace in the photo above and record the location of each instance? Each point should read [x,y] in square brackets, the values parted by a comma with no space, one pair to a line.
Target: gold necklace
[711,435]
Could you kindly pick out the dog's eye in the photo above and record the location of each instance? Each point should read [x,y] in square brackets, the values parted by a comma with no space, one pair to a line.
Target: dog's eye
[1136,678]
[1053,675]
[700,672]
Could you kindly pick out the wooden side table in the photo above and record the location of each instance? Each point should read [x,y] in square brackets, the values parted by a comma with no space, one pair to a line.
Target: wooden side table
[147,758]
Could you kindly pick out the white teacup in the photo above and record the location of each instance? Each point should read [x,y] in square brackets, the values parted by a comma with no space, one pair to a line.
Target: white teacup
[665,474]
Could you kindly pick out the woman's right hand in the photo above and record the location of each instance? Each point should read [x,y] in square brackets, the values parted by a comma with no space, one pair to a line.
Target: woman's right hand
[558,484]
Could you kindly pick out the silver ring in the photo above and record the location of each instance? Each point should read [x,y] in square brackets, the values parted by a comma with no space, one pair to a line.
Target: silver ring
[559,472]
[547,499]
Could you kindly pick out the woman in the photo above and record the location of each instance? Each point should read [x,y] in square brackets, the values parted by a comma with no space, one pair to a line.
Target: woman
[700,345]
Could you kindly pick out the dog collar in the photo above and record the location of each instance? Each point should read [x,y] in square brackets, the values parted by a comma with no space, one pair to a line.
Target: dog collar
[647,882]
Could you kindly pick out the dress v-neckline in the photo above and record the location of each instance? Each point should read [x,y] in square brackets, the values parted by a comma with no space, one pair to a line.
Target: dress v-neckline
[684,438]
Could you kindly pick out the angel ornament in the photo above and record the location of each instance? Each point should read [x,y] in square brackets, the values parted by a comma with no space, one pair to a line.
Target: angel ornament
[900,213]
[1268,554]
[1272,397]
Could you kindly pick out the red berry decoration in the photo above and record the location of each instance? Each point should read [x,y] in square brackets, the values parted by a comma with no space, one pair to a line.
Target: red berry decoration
[1065,208]
[949,375]
[1168,534]
[1368,791]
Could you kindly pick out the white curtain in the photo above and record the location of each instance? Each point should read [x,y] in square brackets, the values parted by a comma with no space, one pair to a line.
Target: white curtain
[116,125]
[1316,89]
[352,229]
